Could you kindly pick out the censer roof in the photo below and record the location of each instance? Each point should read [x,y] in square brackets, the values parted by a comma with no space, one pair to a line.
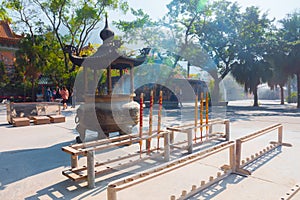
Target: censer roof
[108,54]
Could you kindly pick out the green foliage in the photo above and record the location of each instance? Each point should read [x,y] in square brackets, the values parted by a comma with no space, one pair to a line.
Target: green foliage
[4,79]
[140,29]
[3,14]
[218,34]
[291,35]
[48,26]
[251,69]
[211,85]
[292,97]
[246,43]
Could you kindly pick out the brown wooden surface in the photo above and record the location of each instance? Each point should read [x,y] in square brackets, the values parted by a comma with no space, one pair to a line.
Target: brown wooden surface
[20,121]
[57,118]
[41,120]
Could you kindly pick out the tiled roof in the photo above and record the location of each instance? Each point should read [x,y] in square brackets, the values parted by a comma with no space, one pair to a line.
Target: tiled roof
[7,36]
[45,81]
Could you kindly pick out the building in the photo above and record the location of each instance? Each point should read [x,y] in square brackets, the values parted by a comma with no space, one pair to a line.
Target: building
[8,46]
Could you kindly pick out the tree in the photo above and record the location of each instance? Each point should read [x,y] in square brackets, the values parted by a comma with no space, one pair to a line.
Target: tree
[3,14]
[251,69]
[277,57]
[163,40]
[291,34]
[78,17]
[143,28]
[26,17]
[193,31]
[217,34]
[4,80]
[70,22]
[30,60]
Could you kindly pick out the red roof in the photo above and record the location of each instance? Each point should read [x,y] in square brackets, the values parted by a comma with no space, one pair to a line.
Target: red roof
[7,36]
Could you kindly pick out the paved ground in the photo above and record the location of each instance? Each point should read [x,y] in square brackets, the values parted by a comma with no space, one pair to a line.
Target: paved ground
[31,160]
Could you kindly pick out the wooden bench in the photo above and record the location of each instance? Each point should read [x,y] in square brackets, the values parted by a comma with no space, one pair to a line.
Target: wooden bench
[18,114]
[92,168]
[206,134]
[41,120]
[21,121]
[57,118]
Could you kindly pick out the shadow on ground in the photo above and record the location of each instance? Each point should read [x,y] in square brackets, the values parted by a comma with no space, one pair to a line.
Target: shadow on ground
[221,186]
[20,164]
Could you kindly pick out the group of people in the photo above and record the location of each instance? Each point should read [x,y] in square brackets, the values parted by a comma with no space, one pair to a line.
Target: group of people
[58,94]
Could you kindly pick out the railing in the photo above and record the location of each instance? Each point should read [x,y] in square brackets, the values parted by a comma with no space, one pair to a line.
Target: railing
[132,180]
[240,163]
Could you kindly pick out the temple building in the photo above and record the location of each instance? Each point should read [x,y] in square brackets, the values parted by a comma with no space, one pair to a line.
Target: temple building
[8,46]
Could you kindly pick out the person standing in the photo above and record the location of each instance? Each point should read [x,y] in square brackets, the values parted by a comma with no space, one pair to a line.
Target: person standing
[65,96]
[48,94]
[179,96]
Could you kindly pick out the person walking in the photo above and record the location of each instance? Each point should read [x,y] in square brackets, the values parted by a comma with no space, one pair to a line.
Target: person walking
[65,96]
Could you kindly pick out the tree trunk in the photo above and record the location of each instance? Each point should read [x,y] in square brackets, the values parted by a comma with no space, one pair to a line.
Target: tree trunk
[298,90]
[32,90]
[66,62]
[255,97]
[289,90]
[215,95]
[281,95]
[188,69]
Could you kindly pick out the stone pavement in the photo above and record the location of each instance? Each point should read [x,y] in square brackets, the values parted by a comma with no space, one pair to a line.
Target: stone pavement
[31,159]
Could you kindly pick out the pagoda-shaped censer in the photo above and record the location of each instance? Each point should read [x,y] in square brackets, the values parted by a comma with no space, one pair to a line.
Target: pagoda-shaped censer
[109,108]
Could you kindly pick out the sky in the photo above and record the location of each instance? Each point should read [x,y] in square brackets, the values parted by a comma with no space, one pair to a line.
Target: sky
[276,8]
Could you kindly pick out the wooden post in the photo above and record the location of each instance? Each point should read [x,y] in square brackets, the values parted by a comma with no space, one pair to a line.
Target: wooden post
[227,130]
[159,117]
[91,168]
[141,121]
[111,192]
[206,114]
[196,117]
[232,158]
[201,115]
[148,144]
[238,153]
[183,193]
[167,146]
[280,135]
[172,137]
[190,141]
[74,161]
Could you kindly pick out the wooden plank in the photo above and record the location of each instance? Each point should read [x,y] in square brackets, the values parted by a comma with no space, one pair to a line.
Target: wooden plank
[20,121]
[74,176]
[260,132]
[57,118]
[70,150]
[80,173]
[103,141]
[41,120]
[167,167]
